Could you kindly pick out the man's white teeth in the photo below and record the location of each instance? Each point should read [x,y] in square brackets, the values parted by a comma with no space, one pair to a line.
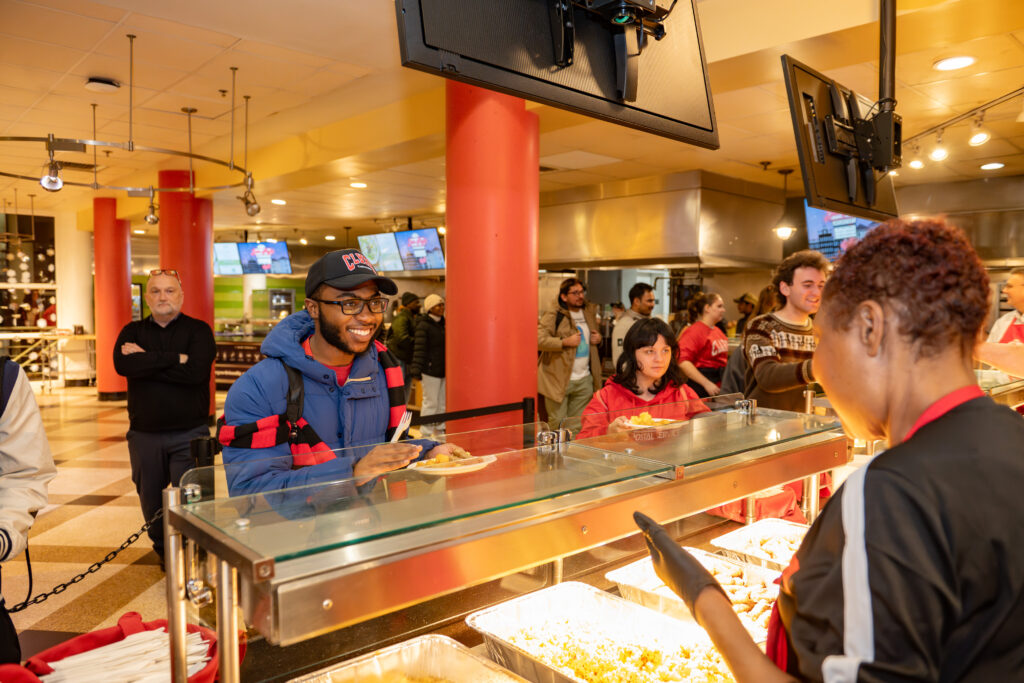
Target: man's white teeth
[360,333]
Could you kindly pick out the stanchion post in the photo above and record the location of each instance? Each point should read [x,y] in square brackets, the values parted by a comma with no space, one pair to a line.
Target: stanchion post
[227,622]
[174,566]
[750,515]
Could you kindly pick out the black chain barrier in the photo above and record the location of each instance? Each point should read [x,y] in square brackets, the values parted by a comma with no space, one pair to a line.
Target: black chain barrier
[93,568]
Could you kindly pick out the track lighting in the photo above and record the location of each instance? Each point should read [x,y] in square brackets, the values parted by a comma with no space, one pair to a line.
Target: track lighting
[51,180]
[938,152]
[248,198]
[979,136]
[151,216]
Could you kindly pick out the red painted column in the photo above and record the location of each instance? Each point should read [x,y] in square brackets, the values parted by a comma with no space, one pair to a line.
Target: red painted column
[186,245]
[113,295]
[491,281]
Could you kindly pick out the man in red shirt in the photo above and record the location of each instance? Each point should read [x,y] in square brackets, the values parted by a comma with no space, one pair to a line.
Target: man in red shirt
[1009,329]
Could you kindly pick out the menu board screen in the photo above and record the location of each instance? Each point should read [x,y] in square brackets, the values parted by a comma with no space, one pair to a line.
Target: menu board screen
[381,250]
[831,232]
[225,259]
[267,258]
[420,249]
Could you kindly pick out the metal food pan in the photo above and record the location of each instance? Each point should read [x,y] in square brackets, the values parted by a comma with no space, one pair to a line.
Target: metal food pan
[432,655]
[639,583]
[735,544]
[586,609]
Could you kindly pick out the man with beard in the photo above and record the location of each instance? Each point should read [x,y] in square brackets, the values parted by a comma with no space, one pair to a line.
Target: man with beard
[351,390]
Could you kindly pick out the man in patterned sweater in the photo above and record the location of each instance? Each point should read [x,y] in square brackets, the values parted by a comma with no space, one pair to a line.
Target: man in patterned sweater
[779,346]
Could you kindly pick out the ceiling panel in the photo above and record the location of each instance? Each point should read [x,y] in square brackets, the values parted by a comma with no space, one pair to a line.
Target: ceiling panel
[36,23]
[33,53]
[28,78]
[965,93]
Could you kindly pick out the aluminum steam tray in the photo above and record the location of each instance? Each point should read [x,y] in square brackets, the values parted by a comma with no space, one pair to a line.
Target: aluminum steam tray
[639,583]
[745,544]
[434,656]
[589,616]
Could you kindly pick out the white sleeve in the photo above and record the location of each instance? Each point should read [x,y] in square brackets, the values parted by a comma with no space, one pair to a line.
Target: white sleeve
[999,328]
[26,465]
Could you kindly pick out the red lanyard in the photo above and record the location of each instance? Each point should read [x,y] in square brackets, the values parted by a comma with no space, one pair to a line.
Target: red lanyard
[944,405]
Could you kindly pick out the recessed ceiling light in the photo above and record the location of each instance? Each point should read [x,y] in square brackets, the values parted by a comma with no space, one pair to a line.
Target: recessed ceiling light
[279,202]
[358,186]
[103,85]
[139,232]
[953,63]
[303,240]
[329,238]
[993,166]
[917,164]
[272,240]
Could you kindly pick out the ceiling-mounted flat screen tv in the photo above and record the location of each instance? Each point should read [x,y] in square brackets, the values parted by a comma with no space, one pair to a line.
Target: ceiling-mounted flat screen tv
[266,258]
[831,232]
[382,251]
[638,63]
[225,259]
[420,249]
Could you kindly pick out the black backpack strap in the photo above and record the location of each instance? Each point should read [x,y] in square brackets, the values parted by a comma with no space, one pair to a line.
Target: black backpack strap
[296,396]
[559,316]
[6,382]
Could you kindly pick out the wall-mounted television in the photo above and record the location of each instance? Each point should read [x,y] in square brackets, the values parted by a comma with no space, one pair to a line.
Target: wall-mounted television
[265,258]
[638,63]
[831,232]
[382,251]
[225,259]
[420,249]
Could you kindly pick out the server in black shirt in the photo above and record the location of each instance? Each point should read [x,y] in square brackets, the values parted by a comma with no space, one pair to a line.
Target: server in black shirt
[167,359]
[915,569]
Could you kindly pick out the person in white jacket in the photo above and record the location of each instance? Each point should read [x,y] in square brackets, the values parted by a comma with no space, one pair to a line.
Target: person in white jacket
[26,467]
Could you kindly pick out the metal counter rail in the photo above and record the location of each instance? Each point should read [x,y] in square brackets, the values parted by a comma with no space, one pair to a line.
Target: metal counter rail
[293,600]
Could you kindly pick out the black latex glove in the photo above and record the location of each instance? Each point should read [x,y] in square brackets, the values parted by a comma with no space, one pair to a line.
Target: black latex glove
[677,568]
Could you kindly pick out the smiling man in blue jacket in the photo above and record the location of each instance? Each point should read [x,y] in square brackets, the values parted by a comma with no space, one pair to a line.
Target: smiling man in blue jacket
[352,390]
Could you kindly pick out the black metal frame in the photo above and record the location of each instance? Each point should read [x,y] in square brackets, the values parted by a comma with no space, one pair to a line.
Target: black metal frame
[527,406]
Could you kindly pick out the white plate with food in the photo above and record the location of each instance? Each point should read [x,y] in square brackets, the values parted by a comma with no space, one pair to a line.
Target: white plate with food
[444,467]
[645,421]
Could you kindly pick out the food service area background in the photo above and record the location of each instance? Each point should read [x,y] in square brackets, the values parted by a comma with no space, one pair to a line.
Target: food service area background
[304,133]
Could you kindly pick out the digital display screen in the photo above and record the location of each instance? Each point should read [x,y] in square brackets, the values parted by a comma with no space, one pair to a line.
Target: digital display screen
[267,258]
[420,249]
[225,259]
[381,250]
[831,232]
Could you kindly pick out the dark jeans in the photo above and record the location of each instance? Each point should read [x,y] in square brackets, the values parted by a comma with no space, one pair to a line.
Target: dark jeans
[158,460]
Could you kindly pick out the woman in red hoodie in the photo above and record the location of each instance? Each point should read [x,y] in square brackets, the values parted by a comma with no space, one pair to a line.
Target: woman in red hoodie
[647,379]
[703,348]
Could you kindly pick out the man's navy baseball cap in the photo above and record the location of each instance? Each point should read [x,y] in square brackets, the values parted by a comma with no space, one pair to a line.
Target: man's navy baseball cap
[346,269]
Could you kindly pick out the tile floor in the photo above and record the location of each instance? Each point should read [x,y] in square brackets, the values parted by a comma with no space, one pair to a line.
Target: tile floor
[93,509]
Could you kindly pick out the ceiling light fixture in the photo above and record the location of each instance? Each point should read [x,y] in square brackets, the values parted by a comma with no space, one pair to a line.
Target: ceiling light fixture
[329,238]
[442,230]
[953,63]
[303,241]
[101,85]
[279,202]
[151,216]
[979,136]
[51,179]
[139,231]
[992,166]
[938,152]
[358,186]
[252,207]
[783,230]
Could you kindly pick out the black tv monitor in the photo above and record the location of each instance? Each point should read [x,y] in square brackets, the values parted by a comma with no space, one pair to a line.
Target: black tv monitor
[266,258]
[574,55]
[420,249]
[815,102]
[382,251]
[831,232]
[225,259]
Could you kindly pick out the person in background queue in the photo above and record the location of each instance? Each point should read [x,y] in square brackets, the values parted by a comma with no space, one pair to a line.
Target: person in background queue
[915,572]
[167,358]
[402,338]
[703,348]
[428,362]
[568,371]
[26,468]
[779,346]
[735,373]
[745,304]
[1009,328]
[641,303]
[647,378]
[352,389]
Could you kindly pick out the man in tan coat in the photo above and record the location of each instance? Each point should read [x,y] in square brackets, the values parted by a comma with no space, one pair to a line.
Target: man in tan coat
[569,370]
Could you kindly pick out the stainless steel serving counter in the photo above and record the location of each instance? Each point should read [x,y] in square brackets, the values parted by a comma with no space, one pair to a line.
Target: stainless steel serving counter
[303,561]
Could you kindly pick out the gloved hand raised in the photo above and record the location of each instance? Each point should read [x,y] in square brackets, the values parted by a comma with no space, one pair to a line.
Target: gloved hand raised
[677,568]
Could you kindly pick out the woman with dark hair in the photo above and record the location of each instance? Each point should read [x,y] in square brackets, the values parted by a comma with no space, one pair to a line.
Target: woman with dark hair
[647,379]
[915,570]
[703,348]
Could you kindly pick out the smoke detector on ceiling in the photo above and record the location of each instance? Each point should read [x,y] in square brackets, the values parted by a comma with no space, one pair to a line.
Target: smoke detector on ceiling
[104,85]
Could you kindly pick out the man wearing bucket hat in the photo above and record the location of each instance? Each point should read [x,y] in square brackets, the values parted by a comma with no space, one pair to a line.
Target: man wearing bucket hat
[351,389]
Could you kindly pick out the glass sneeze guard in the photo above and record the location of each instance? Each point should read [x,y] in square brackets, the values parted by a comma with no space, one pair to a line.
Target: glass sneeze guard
[694,432]
[282,511]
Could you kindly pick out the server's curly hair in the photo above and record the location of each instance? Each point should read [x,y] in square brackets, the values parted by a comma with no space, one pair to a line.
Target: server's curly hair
[925,271]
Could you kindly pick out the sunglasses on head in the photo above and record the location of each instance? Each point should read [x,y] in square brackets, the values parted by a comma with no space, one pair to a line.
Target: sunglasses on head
[165,271]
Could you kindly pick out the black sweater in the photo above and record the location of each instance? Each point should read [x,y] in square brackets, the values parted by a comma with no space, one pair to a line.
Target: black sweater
[163,393]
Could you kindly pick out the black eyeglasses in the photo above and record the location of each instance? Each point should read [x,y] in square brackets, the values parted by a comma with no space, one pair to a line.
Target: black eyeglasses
[355,306]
